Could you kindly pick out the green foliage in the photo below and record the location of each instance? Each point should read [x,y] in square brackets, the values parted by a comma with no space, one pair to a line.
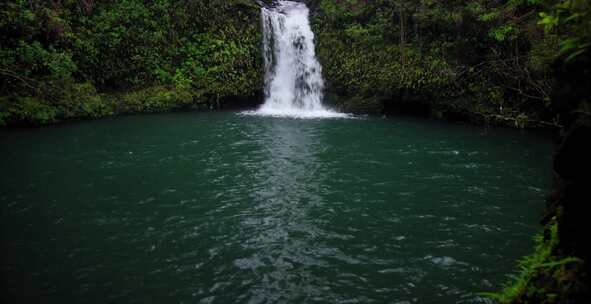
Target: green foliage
[487,60]
[151,100]
[572,18]
[504,32]
[545,276]
[26,109]
[61,53]
[82,101]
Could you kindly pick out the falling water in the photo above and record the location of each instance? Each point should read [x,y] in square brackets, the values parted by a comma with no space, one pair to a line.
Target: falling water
[293,75]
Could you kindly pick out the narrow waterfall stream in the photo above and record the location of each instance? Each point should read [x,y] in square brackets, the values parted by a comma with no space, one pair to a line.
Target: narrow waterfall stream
[293,75]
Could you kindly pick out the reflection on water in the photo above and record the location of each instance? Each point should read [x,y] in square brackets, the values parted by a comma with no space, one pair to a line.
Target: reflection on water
[280,233]
[222,208]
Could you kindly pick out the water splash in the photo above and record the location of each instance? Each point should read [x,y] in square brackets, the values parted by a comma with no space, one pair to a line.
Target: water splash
[293,75]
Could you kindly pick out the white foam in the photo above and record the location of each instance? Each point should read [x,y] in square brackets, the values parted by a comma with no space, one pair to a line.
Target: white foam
[297,113]
[293,76]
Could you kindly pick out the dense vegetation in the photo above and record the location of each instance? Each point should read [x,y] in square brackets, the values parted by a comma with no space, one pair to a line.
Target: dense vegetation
[513,62]
[482,60]
[479,60]
[71,59]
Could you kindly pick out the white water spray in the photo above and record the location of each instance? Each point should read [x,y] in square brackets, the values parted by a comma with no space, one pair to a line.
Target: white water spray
[293,75]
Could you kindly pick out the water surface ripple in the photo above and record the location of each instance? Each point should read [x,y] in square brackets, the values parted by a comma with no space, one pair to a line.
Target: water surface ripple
[224,208]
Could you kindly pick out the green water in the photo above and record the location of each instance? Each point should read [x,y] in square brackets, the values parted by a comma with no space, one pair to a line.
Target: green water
[225,208]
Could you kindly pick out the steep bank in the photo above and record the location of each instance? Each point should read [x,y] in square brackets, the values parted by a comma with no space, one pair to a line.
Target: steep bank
[558,270]
[482,62]
[64,60]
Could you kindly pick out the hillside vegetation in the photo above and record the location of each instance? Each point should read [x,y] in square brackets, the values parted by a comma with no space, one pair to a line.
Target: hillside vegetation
[485,61]
[76,59]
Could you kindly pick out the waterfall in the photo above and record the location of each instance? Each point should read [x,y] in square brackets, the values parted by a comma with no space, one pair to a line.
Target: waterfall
[293,76]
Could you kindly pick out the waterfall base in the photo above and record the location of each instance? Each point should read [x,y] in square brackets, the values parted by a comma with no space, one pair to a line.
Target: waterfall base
[296,113]
[293,76]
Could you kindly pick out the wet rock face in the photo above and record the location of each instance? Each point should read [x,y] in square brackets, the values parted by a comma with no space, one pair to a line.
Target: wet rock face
[567,225]
[572,163]
[274,3]
[267,3]
[573,158]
